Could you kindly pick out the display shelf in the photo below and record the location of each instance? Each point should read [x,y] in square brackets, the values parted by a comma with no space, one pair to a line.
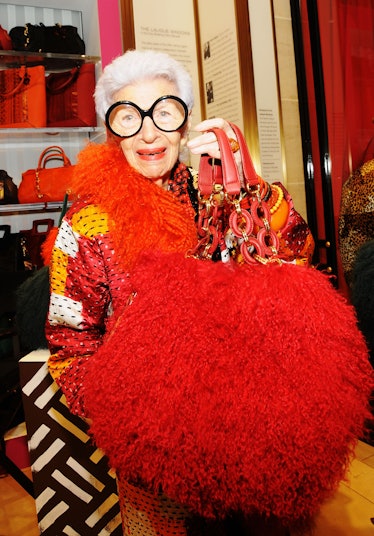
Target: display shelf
[51,61]
[29,208]
[49,130]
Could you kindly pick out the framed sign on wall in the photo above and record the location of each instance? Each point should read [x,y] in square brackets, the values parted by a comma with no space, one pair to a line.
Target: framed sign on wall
[215,45]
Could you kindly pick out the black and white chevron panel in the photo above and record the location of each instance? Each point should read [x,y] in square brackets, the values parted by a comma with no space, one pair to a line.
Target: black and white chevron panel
[76,493]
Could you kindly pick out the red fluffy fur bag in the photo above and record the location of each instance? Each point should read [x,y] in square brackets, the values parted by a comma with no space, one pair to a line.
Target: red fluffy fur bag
[231,388]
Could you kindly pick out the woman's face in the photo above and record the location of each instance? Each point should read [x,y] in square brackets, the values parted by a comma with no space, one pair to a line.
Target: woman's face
[151,151]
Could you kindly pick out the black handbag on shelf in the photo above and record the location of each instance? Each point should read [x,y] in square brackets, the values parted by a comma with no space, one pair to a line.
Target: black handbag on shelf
[59,38]
[12,253]
[14,270]
[8,190]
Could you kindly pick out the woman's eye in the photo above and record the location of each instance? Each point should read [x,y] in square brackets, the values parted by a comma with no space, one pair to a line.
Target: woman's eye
[127,118]
[162,114]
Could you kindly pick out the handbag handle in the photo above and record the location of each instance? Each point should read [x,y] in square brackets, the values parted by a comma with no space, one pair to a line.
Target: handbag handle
[6,231]
[53,152]
[250,176]
[48,222]
[69,80]
[209,176]
[24,79]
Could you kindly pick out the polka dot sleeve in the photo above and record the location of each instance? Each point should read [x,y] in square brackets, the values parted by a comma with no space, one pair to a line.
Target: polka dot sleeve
[85,282]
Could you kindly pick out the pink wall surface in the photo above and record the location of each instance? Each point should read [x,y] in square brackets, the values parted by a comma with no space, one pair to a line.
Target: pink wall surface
[110,30]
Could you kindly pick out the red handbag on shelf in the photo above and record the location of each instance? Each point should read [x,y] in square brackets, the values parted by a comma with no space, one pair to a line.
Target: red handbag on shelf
[33,239]
[23,97]
[5,40]
[45,184]
[70,100]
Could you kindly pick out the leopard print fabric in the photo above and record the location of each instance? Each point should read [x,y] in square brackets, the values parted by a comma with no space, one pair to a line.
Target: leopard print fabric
[356,218]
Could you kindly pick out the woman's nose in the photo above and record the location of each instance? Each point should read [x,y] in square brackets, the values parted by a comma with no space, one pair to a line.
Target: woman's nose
[149,130]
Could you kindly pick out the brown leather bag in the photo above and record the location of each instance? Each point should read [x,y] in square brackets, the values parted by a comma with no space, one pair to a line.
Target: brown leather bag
[70,100]
[23,97]
[47,184]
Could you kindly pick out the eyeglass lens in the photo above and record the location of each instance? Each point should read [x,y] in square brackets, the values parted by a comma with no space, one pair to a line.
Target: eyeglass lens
[126,119]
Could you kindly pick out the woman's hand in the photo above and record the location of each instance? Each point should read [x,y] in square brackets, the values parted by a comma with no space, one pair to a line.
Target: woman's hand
[207,142]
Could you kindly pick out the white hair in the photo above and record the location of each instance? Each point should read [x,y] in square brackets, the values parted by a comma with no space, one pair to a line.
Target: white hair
[135,66]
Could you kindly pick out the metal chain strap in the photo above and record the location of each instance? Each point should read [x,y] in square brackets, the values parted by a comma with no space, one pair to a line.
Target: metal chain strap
[258,242]
[222,215]
[37,185]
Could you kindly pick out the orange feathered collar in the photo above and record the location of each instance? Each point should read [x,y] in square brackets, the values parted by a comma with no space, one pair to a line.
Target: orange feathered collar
[142,216]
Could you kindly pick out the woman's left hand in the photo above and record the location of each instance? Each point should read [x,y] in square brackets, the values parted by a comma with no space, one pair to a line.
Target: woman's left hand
[206,142]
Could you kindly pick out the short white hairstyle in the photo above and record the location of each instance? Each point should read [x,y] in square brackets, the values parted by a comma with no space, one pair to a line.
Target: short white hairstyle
[137,66]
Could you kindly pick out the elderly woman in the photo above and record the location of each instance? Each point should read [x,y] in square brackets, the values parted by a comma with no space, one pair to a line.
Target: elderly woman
[133,194]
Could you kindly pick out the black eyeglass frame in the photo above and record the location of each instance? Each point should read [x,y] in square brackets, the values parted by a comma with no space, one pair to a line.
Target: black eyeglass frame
[145,113]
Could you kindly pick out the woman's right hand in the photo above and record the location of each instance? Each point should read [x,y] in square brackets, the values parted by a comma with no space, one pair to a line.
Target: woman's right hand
[206,142]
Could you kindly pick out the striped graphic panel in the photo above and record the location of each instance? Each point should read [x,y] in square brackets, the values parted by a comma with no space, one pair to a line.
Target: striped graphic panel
[75,491]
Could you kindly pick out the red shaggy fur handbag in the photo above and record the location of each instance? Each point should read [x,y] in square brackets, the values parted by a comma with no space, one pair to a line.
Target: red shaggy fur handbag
[231,387]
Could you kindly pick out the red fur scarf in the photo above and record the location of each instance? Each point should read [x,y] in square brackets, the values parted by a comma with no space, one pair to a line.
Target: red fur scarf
[142,215]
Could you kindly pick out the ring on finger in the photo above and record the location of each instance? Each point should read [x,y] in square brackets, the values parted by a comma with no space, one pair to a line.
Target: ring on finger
[234,145]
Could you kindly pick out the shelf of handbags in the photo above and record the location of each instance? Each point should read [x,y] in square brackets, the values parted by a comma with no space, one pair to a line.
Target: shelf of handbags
[44,95]
[42,91]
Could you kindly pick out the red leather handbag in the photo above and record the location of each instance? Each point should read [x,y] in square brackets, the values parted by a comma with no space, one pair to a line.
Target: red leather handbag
[5,40]
[34,238]
[23,97]
[47,184]
[247,219]
[70,100]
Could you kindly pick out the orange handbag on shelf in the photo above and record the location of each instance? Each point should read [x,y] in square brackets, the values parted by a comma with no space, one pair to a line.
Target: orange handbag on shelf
[23,97]
[45,184]
[70,101]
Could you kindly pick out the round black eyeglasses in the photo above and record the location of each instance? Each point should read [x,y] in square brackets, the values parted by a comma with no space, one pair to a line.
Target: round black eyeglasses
[125,118]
